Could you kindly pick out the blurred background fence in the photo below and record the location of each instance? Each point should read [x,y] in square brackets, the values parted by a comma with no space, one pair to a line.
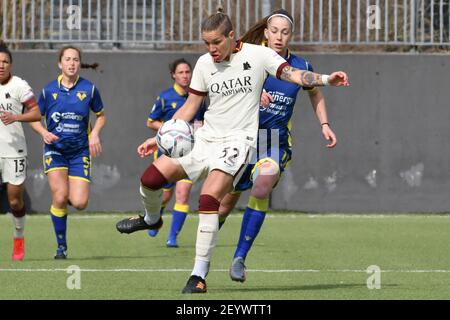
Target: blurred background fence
[173,24]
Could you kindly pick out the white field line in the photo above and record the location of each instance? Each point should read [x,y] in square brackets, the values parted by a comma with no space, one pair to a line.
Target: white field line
[226,270]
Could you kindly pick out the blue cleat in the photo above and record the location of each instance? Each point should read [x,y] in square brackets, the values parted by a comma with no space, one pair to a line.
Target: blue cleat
[153,233]
[172,243]
[61,253]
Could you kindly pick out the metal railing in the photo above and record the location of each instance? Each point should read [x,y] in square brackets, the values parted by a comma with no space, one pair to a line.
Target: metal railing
[165,23]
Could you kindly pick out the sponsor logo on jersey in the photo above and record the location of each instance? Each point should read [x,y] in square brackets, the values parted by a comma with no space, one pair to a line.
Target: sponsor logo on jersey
[55,95]
[57,117]
[7,96]
[6,107]
[81,95]
[247,66]
[232,86]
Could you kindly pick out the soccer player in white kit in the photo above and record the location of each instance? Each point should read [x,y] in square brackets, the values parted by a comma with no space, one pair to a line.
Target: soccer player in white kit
[17,104]
[232,74]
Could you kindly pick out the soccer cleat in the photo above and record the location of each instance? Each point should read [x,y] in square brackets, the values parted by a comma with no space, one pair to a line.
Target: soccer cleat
[19,249]
[195,284]
[134,224]
[237,269]
[61,253]
[153,233]
[172,243]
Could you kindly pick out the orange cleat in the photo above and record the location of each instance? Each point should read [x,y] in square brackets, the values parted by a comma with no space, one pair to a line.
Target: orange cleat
[19,249]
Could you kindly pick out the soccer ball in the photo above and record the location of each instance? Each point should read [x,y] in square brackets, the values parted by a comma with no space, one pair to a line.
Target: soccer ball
[175,138]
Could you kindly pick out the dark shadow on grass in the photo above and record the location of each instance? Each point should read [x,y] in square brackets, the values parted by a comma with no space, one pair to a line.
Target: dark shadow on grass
[299,288]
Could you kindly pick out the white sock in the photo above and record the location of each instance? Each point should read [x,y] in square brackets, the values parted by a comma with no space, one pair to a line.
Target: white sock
[152,203]
[201,268]
[19,226]
[208,227]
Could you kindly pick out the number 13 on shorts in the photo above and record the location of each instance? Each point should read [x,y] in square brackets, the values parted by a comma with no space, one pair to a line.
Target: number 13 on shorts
[13,170]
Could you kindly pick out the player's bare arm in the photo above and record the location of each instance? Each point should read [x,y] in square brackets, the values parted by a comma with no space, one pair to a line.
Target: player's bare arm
[95,146]
[31,113]
[311,79]
[319,106]
[189,109]
[47,136]
[154,124]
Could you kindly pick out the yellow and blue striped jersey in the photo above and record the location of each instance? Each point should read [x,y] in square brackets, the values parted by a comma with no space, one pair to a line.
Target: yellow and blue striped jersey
[67,110]
[168,102]
[278,114]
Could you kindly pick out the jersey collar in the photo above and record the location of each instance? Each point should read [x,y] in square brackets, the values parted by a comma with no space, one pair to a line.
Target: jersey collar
[179,90]
[239,45]
[60,80]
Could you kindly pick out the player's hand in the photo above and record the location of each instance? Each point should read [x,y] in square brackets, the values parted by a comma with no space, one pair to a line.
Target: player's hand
[338,79]
[95,146]
[266,99]
[8,118]
[197,124]
[49,137]
[329,135]
[147,148]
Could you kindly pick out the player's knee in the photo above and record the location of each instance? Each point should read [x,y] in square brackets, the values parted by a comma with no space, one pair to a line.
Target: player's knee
[182,197]
[261,192]
[16,204]
[153,178]
[60,199]
[263,186]
[79,204]
[208,204]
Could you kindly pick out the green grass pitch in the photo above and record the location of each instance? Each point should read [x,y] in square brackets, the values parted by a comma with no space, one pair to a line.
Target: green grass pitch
[297,256]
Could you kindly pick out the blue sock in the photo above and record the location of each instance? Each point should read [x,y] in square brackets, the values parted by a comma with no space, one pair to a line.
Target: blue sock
[178,219]
[60,226]
[251,224]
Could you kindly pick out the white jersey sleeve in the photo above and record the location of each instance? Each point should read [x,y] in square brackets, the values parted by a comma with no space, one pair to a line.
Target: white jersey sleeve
[24,92]
[12,138]
[198,84]
[273,62]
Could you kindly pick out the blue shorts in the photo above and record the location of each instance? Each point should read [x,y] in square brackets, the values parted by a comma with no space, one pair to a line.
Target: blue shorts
[168,186]
[281,156]
[78,163]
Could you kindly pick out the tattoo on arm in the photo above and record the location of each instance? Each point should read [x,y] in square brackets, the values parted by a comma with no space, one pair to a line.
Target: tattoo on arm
[306,78]
[287,73]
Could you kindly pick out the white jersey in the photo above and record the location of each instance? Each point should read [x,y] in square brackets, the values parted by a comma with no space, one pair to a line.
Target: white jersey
[234,88]
[12,96]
